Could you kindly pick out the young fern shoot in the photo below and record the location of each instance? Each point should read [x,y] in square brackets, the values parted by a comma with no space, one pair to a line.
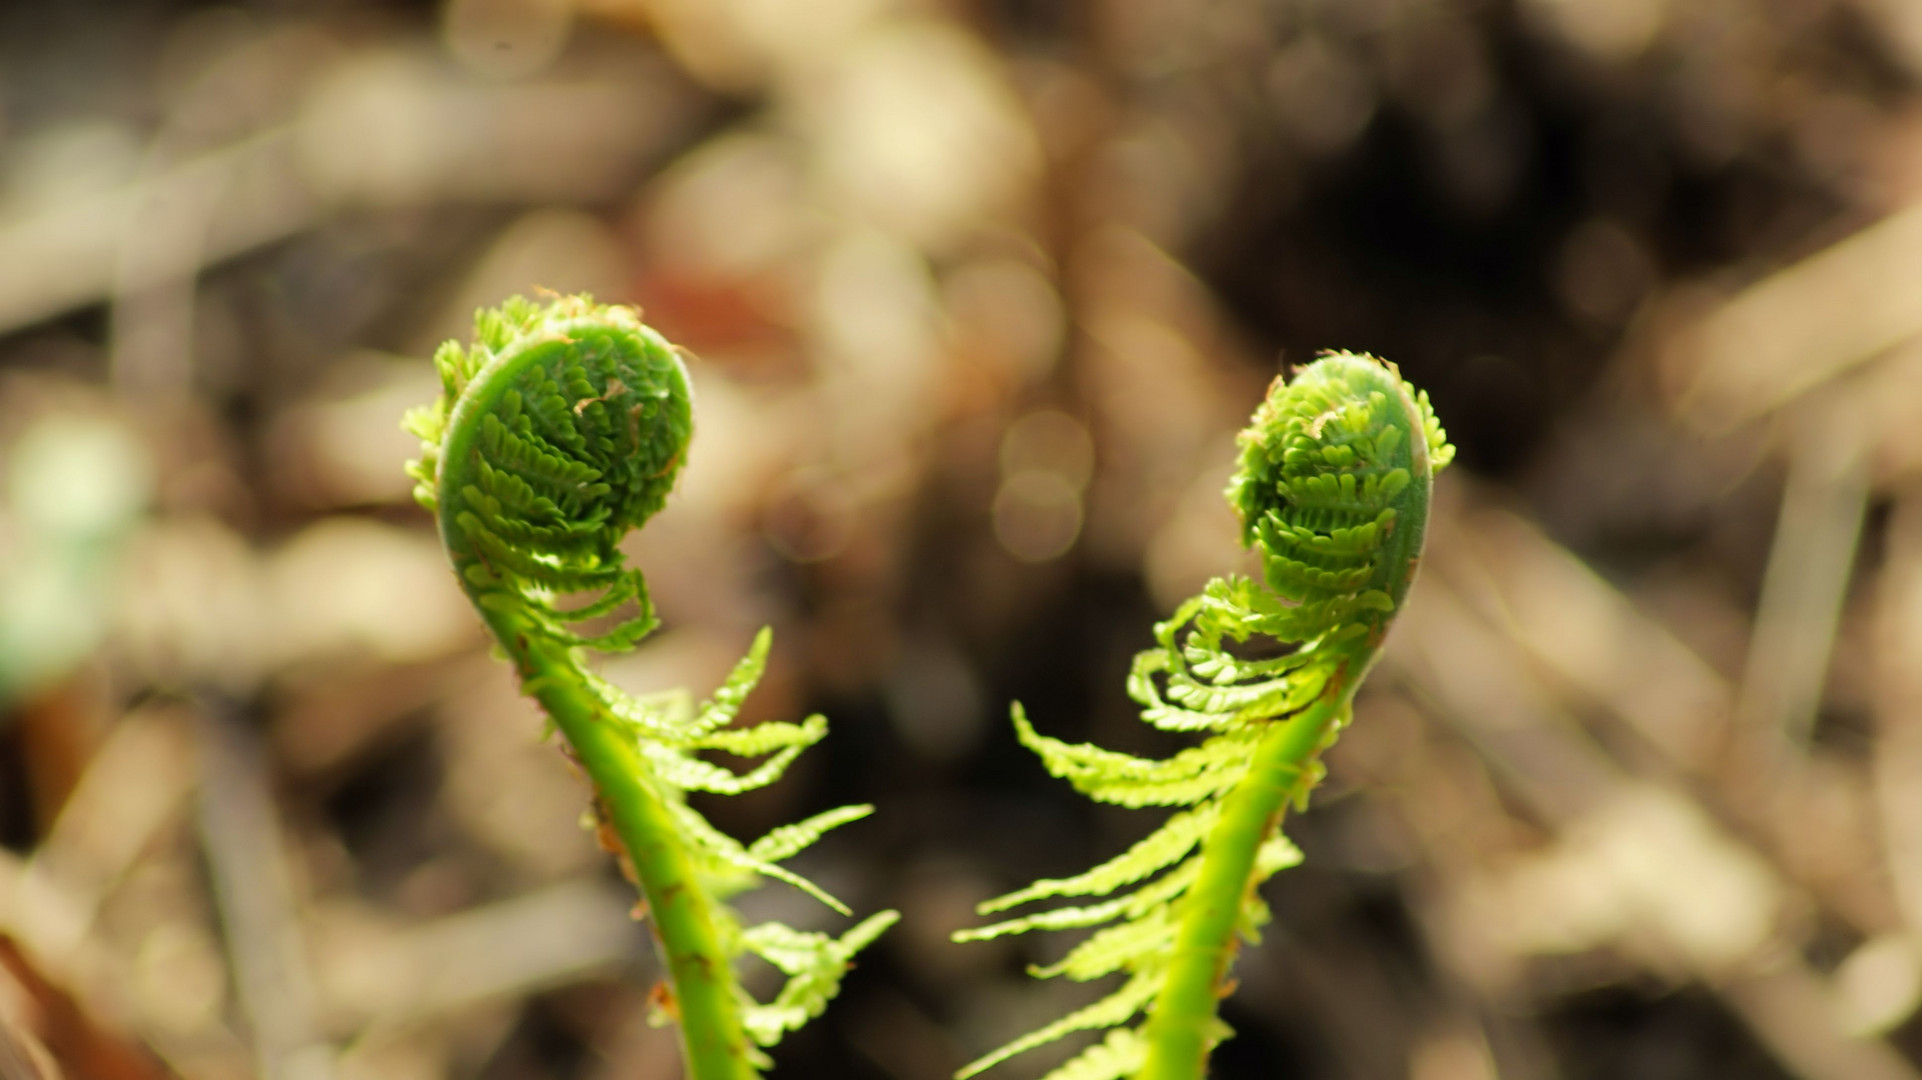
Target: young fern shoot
[562,427]
[1332,489]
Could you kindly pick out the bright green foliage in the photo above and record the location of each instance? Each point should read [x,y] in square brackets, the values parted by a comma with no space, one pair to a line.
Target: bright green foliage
[1332,490]
[563,426]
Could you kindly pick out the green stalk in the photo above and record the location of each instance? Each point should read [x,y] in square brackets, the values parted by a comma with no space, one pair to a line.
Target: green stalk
[1332,490]
[1181,1023]
[558,431]
[712,1041]
[714,1044]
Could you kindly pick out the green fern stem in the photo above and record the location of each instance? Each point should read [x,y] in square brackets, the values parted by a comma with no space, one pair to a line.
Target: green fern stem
[705,994]
[1180,1029]
[562,428]
[1332,490]
[1182,1020]
[713,1043]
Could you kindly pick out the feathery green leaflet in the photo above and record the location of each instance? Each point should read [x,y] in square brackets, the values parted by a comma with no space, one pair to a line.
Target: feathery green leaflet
[1332,489]
[562,427]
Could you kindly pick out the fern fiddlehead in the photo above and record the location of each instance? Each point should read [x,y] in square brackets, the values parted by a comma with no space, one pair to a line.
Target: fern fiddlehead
[563,426]
[1332,489]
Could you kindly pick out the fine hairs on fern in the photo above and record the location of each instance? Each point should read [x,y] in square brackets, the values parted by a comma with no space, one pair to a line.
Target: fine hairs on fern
[562,427]
[1332,489]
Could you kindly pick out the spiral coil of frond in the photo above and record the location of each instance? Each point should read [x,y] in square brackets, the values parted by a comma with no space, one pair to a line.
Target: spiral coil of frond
[1332,489]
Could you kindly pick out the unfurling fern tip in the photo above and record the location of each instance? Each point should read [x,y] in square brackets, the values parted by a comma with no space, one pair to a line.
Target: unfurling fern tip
[1332,489]
[560,428]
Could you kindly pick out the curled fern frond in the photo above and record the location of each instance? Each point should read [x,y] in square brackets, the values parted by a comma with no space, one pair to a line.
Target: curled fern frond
[1332,489]
[559,429]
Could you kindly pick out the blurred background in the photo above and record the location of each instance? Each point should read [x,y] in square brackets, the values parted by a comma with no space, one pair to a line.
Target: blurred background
[981,292]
